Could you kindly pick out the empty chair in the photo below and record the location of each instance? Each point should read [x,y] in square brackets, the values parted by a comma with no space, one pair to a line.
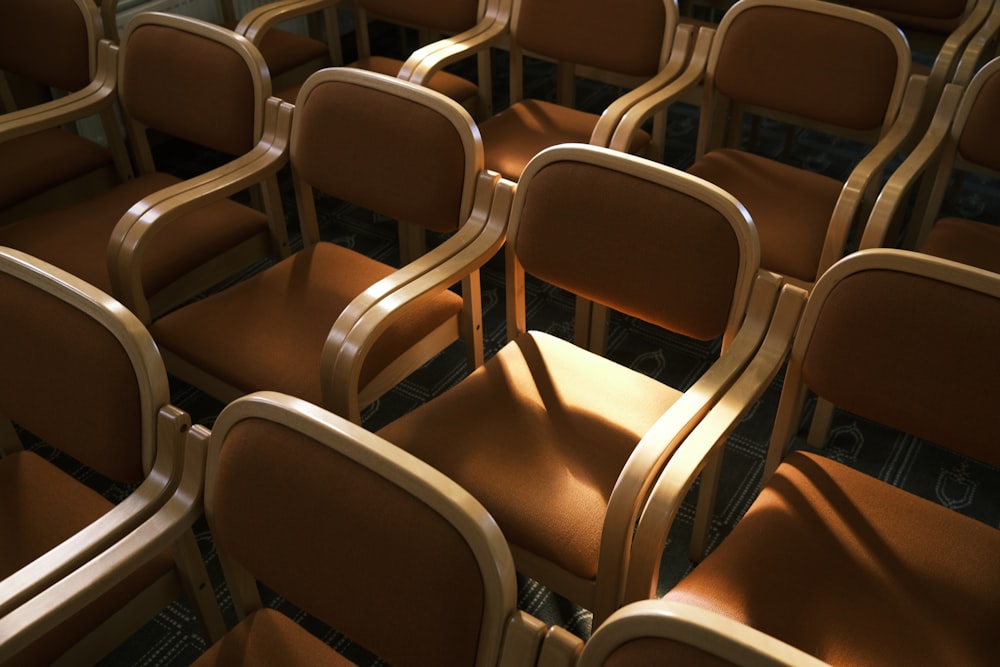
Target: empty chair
[812,64]
[843,566]
[559,443]
[346,527]
[84,376]
[53,45]
[961,141]
[386,145]
[164,86]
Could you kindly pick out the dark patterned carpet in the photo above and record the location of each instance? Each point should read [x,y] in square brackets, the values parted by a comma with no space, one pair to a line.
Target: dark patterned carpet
[172,638]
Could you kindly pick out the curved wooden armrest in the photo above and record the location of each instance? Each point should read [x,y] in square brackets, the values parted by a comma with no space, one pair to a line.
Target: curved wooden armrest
[711,432]
[372,312]
[642,110]
[149,216]
[158,485]
[46,610]
[924,156]
[259,20]
[99,94]
[612,116]
[660,443]
[977,47]
[866,175]
[423,63]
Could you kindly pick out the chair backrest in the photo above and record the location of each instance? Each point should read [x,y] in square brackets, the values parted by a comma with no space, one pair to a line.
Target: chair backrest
[808,62]
[80,372]
[906,340]
[50,42]
[975,129]
[447,16]
[644,239]
[369,140]
[939,17]
[365,537]
[193,81]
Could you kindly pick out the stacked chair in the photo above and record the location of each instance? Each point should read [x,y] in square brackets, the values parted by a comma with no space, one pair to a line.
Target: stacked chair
[54,45]
[164,86]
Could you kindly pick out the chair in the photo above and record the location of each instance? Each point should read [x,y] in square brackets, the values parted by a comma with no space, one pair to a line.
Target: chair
[843,566]
[560,444]
[826,68]
[961,140]
[662,632]
[636,48]
[346,527]
[388,146]
[53,45]
[165,87]
[83,375]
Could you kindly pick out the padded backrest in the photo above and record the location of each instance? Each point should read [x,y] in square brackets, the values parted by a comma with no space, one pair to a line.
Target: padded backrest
[446,15]
[378,143]
[941,16]
[822,66]
[69,379]
[625,36]
[49,41]
[979,141]
[194,81]
[348,546]
[651,242]
[915,352]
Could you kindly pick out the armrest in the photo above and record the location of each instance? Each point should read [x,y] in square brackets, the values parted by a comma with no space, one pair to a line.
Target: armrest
[612,116]
[46,610]
[692,76]
[491,29]
[711,432]
[259,20]
[372,312]
[99,94]
[661,441]
[147,218]
[866,175]
[978,48]
[897,188]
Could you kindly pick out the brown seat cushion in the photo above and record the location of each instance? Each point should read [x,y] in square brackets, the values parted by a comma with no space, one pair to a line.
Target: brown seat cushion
[790,207]
[456,87]
[539,435]
[267,332]
[516,134]
[855,571]
[284,50]
[966,241]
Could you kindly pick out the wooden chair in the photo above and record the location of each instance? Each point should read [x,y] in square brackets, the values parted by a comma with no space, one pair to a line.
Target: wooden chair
[361,535]
[559,443]
[84,376]
[829,560]
[812,64]
[662,632]
[961,140]
[52,45]
[400,150]
[165,86]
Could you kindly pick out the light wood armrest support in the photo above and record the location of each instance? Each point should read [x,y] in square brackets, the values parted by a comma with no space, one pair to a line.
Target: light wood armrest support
[261,19]
[977,48]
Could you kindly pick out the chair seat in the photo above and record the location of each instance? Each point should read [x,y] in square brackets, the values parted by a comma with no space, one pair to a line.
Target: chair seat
[284,50]
[267,637]
[516,134]
[966,241]
[559,420]
[790,207]
[267,332]
[456,87]
[37,162]
[75,238]
[825,542]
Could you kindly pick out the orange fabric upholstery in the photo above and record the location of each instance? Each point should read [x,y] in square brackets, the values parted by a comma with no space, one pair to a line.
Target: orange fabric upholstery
[980,135]
[283,50]
[451,85]
[45,46]
[30,165]
[965,241]
[444,15]
[653,652]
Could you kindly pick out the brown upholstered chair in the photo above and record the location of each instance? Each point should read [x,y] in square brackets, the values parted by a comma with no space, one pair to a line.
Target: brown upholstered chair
[962,139]
[201,84]
[389,146]
[662,632]
[558,442]
[48,45]
[82,375]
[841,565]
[811,64]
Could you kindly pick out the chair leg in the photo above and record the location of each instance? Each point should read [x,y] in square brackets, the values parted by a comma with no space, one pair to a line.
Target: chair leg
[821,420]
[705,509]
[472,320]
[198,586]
